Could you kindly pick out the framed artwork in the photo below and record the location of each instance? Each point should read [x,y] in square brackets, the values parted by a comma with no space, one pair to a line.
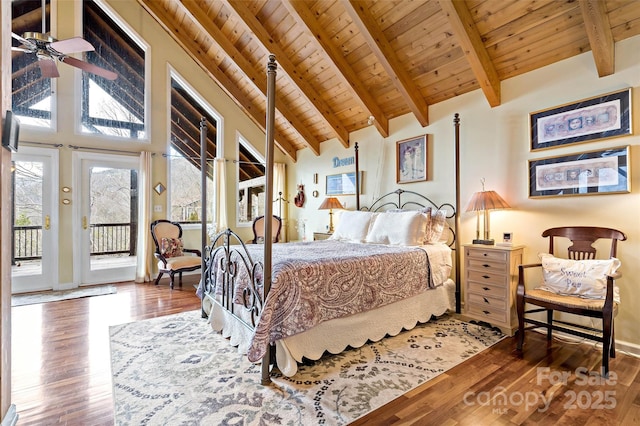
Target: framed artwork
[411,160]
[343,183]
[594,172]
[601,117]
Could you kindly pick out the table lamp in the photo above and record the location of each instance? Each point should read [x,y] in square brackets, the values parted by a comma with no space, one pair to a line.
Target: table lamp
[330,203]
[484,201]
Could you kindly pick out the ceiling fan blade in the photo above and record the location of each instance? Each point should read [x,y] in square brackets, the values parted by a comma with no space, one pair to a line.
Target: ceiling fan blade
[21,49]
[48,68]
[109,75]
[29,46]
[72,45]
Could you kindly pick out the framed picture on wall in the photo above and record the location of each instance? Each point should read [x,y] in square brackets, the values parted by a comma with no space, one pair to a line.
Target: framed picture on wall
[343,183]
[411,160]
[587,173]
[604,116]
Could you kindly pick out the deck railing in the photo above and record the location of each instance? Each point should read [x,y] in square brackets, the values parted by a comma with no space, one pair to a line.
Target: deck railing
[106,238]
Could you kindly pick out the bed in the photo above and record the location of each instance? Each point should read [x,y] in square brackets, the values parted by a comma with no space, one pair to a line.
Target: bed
[328,295]
[306,299]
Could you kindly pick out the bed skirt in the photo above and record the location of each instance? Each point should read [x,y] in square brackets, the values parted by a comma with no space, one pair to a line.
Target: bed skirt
[336,335]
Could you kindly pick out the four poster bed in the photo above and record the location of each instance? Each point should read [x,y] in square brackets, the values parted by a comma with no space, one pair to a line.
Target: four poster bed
[386,268]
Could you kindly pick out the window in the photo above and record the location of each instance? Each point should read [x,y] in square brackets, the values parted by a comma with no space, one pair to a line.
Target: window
[113,107]
[251,182]
[31,92]
[185,178]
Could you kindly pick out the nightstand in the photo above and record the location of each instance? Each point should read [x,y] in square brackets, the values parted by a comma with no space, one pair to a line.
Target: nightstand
[321,235]
[490,281]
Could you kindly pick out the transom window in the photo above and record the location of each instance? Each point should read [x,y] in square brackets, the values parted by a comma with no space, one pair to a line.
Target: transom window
[113,107]
[31,91]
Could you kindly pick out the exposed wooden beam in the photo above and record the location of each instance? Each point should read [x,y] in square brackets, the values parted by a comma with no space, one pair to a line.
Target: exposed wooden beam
[469,38]
[299,10]
[383,51]
[173,28]
[596,23]
[242,11]
[207,26]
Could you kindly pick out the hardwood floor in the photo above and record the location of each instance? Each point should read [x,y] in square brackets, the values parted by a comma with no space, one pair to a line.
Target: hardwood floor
[62,375]
[61,368]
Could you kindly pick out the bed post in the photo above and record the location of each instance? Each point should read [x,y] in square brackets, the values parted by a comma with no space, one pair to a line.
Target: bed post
[357,178]
[456,124]
[203,186]
[268,198]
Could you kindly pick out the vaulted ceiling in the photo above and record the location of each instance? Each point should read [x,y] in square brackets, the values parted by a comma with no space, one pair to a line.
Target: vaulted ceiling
[344,65]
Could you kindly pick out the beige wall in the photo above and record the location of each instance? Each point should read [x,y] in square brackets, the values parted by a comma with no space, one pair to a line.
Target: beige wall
[495,146]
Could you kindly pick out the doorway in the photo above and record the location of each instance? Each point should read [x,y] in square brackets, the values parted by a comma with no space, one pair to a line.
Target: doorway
[105,218]
[34,257]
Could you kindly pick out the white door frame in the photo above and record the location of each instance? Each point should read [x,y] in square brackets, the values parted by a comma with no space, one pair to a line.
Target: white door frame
[50,207]
[81,265]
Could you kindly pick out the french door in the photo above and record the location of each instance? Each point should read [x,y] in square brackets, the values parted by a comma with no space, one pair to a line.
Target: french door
[34,257]
[105,218]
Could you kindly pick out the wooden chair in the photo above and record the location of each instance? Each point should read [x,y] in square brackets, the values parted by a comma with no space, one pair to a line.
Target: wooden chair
[258,229]
[582,238]
[170,253]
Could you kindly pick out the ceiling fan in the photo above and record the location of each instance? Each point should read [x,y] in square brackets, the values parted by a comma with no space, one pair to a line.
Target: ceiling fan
[49,51]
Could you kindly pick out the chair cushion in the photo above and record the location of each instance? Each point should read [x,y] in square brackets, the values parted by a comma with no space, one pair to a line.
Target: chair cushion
[569,301]
[171,247]
[582,278]
[180,262]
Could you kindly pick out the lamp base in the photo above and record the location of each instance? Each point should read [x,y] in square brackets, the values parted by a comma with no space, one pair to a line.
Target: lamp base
[485,242]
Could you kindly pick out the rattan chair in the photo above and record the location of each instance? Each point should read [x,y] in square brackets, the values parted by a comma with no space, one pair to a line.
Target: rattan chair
[581,248]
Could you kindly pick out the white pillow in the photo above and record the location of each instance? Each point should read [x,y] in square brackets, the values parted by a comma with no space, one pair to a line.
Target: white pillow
[583,278]
[353,226]
[401,228]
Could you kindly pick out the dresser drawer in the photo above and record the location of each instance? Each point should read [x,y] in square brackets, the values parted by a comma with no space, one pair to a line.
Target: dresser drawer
[488,313]
[487,265]
[489,290]
[487,277]
[485,302]
[489,255]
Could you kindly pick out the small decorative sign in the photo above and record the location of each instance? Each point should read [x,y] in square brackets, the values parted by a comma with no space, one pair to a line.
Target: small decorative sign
[339,162]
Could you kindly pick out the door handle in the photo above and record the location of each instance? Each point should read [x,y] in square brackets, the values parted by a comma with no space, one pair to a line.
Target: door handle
[47,222]
[84,222]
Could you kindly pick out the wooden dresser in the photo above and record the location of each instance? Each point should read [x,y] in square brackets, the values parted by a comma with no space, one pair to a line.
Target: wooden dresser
[490,281]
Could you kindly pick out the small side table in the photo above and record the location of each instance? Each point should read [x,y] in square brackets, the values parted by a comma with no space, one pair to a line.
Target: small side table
[321,235]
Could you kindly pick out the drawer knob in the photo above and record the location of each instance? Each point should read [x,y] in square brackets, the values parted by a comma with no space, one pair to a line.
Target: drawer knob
[486,312]
[486,288]
[485,300]
[486,276]
[484,254]
[486,266]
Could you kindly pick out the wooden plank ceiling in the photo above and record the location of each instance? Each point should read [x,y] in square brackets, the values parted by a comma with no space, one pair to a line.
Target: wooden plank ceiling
[344,65]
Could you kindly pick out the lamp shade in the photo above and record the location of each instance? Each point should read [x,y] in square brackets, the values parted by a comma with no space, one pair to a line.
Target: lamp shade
[330,203]
[486,200]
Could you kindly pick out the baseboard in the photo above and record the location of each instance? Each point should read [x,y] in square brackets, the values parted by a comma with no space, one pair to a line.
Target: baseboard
[11,418]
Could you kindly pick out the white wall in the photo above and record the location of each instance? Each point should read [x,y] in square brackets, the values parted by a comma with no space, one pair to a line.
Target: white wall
[495,146]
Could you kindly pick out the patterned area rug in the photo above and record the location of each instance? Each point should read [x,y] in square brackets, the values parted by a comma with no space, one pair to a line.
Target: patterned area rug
[54,296]
[177,370]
